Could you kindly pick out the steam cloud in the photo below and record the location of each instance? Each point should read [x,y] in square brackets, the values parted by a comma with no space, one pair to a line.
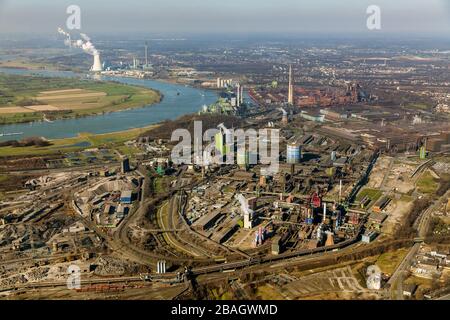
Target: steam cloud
[84,43]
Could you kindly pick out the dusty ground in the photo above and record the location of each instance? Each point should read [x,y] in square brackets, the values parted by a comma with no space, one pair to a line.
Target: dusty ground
[397,210]
[393,174]
[399,177]
[44,107]
[7,110]
[338,283]
[379,172]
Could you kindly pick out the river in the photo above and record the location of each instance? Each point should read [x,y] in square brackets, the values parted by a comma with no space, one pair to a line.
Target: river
[178,100]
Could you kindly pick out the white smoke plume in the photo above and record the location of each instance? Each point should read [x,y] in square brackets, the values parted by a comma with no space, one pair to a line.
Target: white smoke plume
[61,31]
[85,37]
[85,43]
[67,41]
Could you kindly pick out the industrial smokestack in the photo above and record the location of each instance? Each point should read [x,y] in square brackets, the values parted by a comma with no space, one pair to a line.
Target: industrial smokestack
[291,87]
[238,98]
[146,54]
[97,66]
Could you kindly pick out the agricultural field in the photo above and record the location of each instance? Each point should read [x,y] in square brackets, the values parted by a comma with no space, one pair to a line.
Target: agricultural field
[24,63]
[31,98]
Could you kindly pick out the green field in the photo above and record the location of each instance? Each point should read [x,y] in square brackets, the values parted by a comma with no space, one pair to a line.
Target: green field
[83,141]
[27,64]
[389,261]
[373,194]
[17,92]
[420,106]
[128,151]
[427,183]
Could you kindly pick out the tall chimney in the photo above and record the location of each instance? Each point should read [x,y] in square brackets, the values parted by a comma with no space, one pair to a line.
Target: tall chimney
[291,87]
[238,98]
[146,54]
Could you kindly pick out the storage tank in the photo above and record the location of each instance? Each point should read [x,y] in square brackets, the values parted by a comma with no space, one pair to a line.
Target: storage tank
[293,154]
[333,156]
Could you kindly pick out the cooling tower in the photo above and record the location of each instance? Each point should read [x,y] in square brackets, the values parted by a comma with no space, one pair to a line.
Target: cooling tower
[97,66]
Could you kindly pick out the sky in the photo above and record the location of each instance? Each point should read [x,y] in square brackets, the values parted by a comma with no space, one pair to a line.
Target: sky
[227,16]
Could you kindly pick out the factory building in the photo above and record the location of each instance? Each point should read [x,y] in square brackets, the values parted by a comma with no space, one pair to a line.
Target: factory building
[409,289]
[377,218]
[125,165]
[229,228]
[207,221]
[368,237]
[223,83]
[438,143]
[126,197]
[276,245]
[381,204]
[333,115]
[109,209]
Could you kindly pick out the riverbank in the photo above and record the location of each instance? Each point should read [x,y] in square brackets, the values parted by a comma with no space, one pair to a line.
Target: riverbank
[25,65]
[29,98]
[178,101]
[81,142]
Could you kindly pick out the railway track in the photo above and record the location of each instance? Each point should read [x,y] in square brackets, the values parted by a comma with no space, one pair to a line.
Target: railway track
[57,284]
[311,257]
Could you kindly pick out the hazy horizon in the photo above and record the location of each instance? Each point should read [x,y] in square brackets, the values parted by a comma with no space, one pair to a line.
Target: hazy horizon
[234,17]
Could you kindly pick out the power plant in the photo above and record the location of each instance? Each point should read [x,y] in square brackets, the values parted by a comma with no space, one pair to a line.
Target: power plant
[86,45]
[97,66]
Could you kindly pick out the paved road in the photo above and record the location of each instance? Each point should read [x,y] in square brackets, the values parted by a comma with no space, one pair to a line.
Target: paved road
[423,221]
[396,280]
[446,297]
